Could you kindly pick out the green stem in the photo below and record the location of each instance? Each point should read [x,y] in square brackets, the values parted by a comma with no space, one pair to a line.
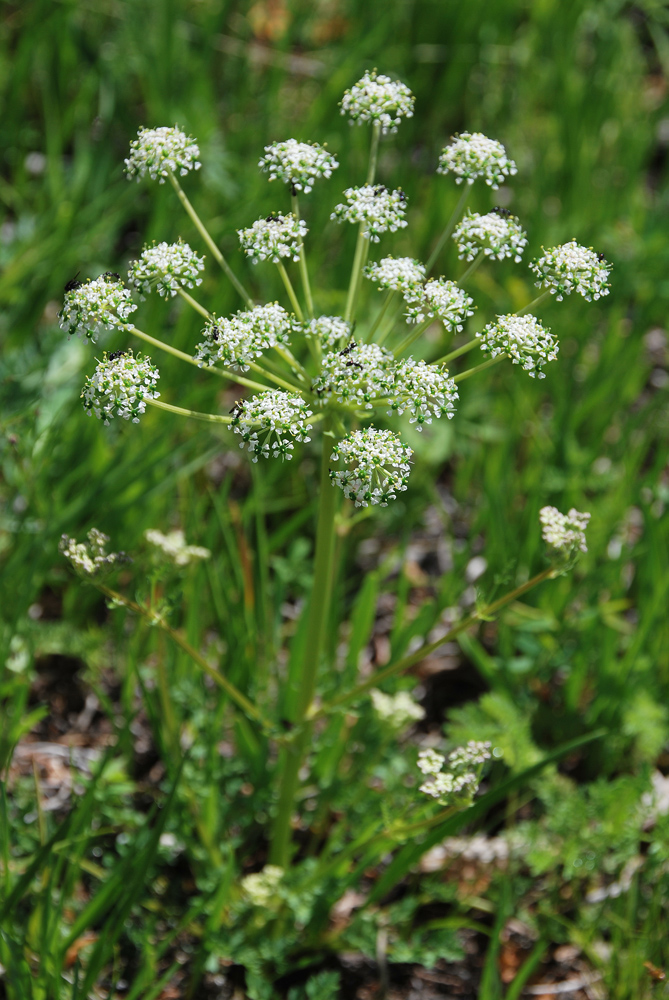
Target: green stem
[155,619]
[318,612]
[292,361]
[303,262]
[480,368]
[297,309]
[209,418]
[288,386]
[373,153]
[355,273]
[409,661]
[472,267]
[470,345]
[194,303]
[201,228]
[418,330]
[450,226]
[387,302]
[191,361]
[534,303]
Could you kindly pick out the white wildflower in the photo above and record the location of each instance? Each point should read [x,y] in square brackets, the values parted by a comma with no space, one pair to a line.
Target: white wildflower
[380,463]
[161,151]
[374,205]
[444,786]
[450,303]
[95,306]
[173,545]
[239,340]
[565,533]
[498,234]
[397,710]
[460,780]
[524,338]
[572,268]
[401,274]
[261,887]
[167,267]
[120,387]
[280,416]
[272,238]
[475,752]
[472,155]
[91,558]
[297,163]
[377,98]
[423,390]
[359,375]
[430,762]
[330,331]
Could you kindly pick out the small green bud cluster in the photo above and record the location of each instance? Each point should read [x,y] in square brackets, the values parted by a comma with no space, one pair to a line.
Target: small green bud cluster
[297,163]
[458,784]
[96,306]
[167,267]
[573,268]
[472,155]
[159,152]
[120,387]
[237,341]
[494,234]
[377,208]
[380,466]
[377,98]
[91,558]
[524,338]
[282,416]
[273,238]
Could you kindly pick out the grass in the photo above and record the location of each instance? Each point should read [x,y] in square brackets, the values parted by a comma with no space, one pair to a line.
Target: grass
[576,90]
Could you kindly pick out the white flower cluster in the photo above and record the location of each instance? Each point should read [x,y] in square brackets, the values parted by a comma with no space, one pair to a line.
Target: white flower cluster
[449,302]
[120,387]
[376,207]
[239,340]
[261,887]
[472,155]
[160,152]
[565,533]
[173,546]
[281,415]
[328,330]
[272,238]
[398,710]
[573,268]
[297,163]
[401,274]
[524,338]
[358,375]
[496,234]
[380,463]
[424,391]
[377,98]
[95,307]
[91,558]
[166,267]
[461,780]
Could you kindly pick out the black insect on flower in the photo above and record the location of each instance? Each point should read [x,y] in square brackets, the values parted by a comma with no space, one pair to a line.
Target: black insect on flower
[401,195]
[601,257]
[347,350]
[116,354]
[272,218]
[73,284]
[215,332]
[354,364]
[111,276]
[379,190]
[503,213]
[237,409]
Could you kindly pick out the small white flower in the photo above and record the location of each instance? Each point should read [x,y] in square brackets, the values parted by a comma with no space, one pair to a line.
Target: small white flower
[401,274]
[120,387]
[397,710]
[161,151]
[460,781]
[472,155]
[524,338]
[280,416]
[374,205]
[497,234]
[359,375]
[572,268]
[96,306]
[423,390]
[330,331]
[173,545]
[91,558]
[239,340]
[444,786]
[297,163]
[475,752]
[261,887]
[272,238]
[565,533]
[380,462]
[377,98]
[430,762]
[450,303]
[167,268]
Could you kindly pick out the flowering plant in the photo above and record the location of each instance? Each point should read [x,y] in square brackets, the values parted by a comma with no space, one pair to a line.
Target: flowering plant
[329,382]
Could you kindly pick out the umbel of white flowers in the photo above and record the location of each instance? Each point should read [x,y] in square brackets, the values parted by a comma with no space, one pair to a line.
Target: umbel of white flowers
[91,558]
[459,781]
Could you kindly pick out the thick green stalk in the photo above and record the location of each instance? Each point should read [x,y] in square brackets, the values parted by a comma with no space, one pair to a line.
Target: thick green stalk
[303,262]
[472,267]
[419,329]
[209,418]
[193,303]
[480,368]
[288,285]
[204,233]
[318,611]
[469,346]
[450,226]
[534,303]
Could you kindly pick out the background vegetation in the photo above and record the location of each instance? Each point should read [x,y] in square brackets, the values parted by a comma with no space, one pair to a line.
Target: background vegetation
[577,91]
